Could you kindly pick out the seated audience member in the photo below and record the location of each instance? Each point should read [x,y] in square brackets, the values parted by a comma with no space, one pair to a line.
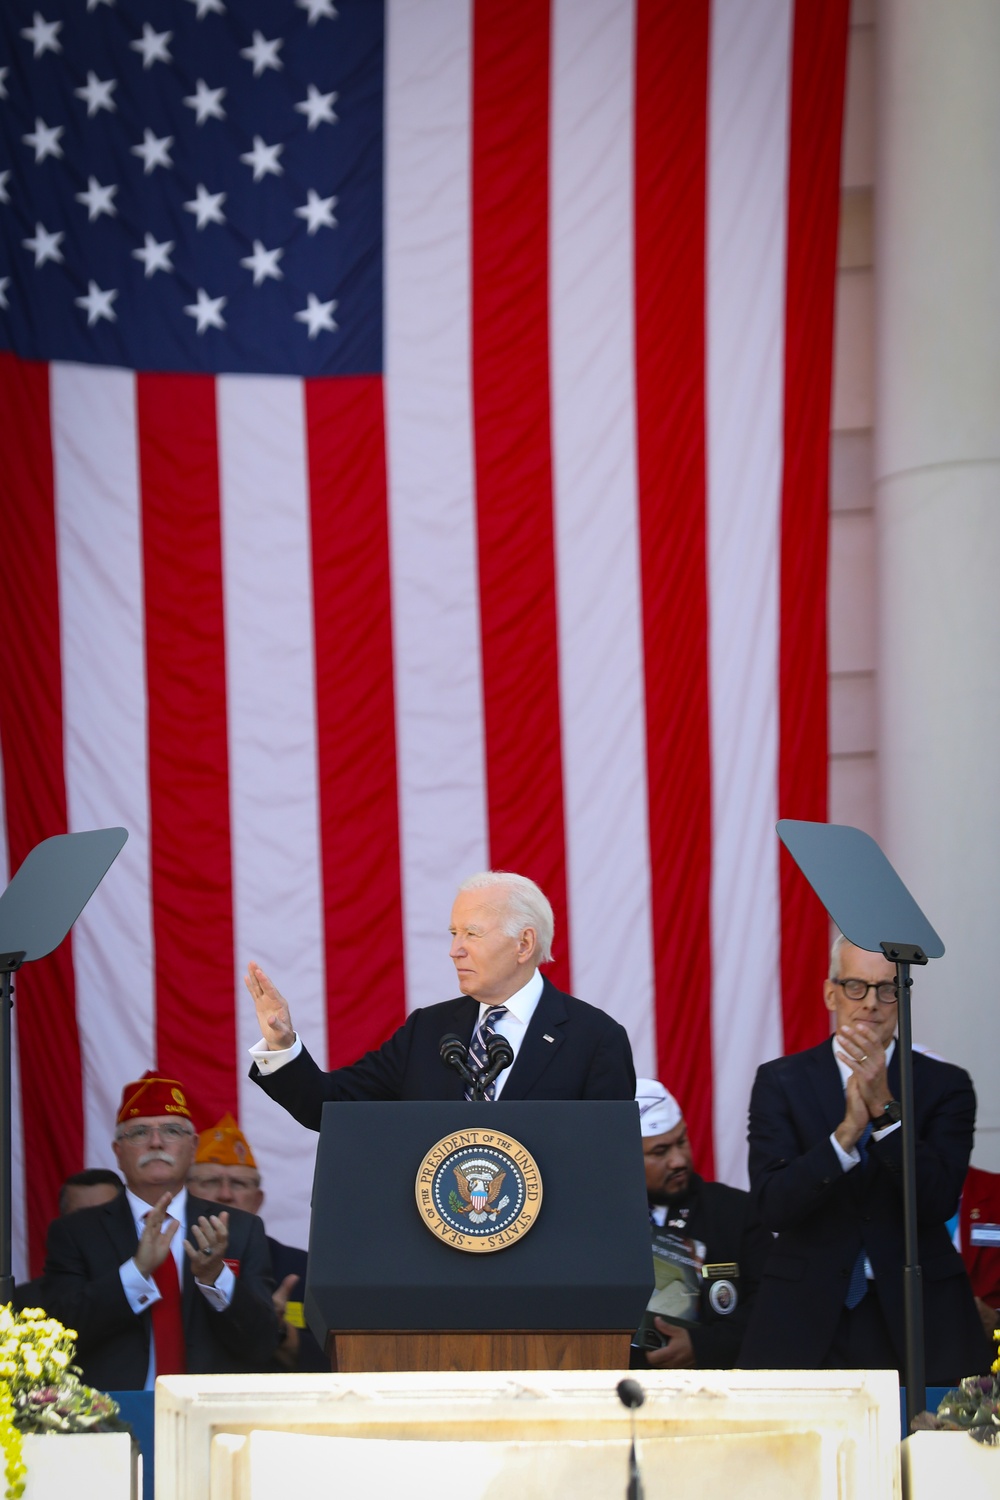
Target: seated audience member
[84,1189]
[155,1282]
[225,1171]
[707,1249]
[88,1189]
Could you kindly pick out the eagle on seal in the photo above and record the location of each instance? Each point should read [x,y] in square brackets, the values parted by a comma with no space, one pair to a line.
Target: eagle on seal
[477,1195]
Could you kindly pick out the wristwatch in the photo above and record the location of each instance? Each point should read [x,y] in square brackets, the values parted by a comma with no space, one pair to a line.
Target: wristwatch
[891,1114]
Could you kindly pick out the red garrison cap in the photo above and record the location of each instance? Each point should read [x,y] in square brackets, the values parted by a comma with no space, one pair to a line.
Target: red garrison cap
[152,1097]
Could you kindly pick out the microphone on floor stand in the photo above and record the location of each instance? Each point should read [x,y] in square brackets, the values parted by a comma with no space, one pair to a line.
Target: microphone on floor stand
[632,1395]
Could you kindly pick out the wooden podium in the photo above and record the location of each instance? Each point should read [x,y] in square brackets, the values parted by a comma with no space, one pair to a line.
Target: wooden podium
[453,1349]
[386,1292]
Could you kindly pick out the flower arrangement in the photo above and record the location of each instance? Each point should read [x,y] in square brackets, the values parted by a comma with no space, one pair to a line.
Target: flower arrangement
[973,1406]
[41,1389]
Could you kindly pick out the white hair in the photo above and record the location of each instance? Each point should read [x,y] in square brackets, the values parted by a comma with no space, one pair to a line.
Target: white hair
[838,943]
[526,906]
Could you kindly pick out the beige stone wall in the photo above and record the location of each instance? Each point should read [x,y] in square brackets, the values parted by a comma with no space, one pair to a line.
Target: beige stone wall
[852,574]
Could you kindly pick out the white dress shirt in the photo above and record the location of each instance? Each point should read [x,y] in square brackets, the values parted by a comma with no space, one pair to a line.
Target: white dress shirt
[520,1008]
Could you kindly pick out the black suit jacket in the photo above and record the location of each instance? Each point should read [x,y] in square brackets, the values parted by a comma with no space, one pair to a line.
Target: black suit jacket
[82,1288]
[571,1050]
[823,1215]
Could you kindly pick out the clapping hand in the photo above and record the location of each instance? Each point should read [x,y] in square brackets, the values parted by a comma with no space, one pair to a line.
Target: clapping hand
[210,1236]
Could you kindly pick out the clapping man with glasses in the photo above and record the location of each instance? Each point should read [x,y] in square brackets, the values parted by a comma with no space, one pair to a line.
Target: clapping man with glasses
[159,1282]
[826,1176]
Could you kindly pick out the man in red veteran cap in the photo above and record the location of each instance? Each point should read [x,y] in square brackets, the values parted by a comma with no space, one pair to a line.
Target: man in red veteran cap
[158,1282]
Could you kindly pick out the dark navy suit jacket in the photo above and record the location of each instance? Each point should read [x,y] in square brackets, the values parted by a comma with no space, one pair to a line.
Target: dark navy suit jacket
[571,1050]
[823,1215]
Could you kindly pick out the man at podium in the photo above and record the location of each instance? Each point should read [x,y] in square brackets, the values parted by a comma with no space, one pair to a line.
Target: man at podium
[557,1047]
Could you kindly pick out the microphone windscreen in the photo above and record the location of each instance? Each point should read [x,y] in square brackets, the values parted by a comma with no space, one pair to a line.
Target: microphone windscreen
[499,1051]
[452,1046]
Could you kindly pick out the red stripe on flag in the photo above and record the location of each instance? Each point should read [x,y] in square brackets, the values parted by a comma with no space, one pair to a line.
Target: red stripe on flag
[818,64]
[191,876]
[671,123]
[355,715]
[35,787]
[510,380]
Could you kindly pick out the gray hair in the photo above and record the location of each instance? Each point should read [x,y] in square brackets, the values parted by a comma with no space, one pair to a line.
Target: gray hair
[526,906]
[838,943]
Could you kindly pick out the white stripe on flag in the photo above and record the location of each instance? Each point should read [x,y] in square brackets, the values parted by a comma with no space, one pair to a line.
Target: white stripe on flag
[99,553]
[432,532]
[274,796]
[596,523]
[749,91]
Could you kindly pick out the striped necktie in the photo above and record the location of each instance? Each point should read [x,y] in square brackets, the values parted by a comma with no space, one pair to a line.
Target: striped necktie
[857,1286]
[481,1038]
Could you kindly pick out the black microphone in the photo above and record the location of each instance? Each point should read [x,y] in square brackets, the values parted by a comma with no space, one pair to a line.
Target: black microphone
[632,1395]
[499,1055]
[454,1054]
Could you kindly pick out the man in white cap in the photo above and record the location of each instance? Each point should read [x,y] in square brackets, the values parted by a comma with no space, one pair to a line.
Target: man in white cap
[707,1249]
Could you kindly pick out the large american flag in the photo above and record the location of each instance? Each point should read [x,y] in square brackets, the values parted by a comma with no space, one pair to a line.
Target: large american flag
[414,455]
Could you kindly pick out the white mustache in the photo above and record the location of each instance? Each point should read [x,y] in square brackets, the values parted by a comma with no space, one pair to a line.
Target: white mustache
[149,1156]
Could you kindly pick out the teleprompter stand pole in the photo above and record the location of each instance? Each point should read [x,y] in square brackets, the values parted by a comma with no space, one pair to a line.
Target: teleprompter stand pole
[9,962]
[903,955]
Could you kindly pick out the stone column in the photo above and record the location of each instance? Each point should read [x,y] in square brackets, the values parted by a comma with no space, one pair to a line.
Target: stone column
[937,475]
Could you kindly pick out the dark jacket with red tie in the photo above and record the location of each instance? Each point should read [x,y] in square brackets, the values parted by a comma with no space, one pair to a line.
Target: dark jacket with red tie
[82,1288]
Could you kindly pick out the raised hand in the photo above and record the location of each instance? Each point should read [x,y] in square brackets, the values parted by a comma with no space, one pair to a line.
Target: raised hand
[273,1015]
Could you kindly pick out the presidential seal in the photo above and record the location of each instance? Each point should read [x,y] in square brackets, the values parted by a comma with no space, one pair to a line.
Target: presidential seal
[478,1190]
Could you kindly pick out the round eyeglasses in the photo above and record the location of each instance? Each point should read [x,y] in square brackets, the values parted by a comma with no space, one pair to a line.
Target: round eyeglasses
[856,989]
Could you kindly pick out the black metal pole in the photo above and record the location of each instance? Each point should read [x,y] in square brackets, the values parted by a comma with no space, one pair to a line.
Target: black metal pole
[913,1303]
[8,963]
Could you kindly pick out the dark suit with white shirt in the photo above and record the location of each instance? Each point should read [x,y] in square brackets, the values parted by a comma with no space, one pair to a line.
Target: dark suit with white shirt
[571,1050]
[822,1216]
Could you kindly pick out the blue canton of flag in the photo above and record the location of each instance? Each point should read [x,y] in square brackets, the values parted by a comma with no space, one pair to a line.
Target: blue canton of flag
[193,184]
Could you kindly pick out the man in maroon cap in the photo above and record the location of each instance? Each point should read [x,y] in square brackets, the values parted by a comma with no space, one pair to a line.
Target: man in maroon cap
[155,1282]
